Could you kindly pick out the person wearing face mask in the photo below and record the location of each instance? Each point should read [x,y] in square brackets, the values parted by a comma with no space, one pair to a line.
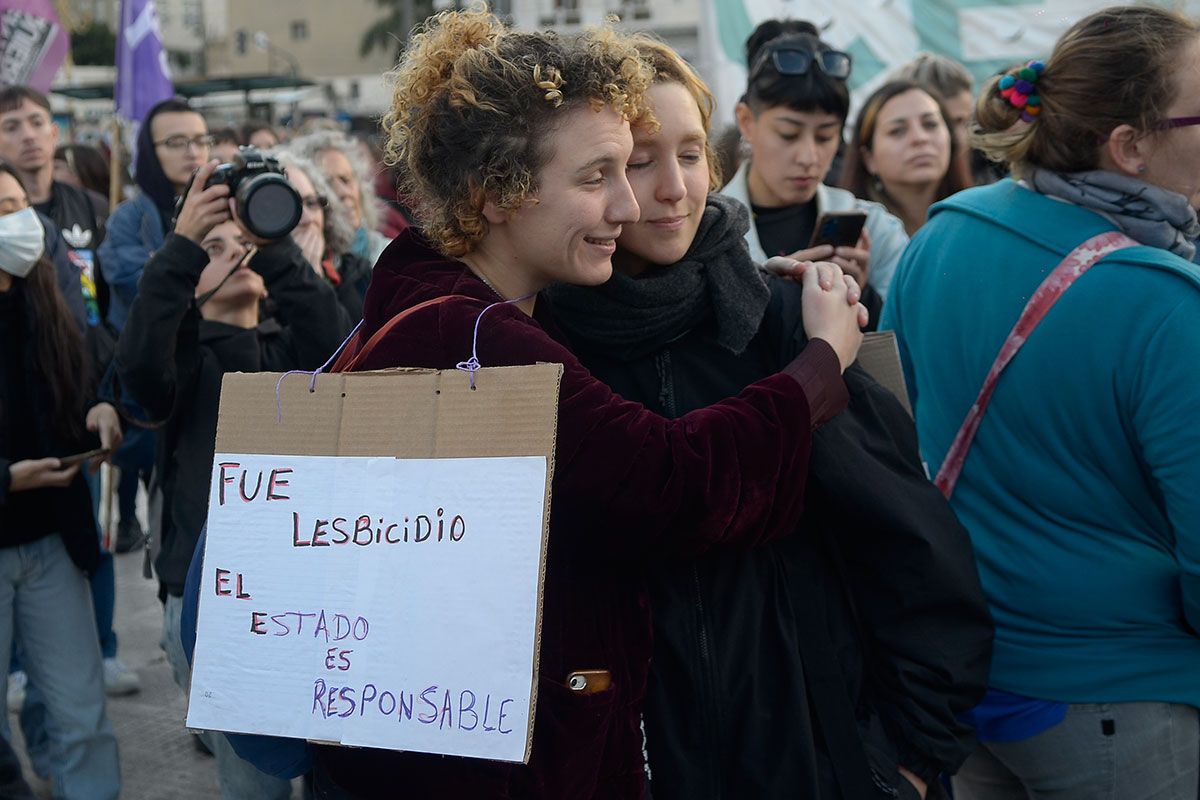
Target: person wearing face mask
[904,154]
[688,319]
[792,117]
[326,234]
[1047,326]
[47,413]
[343,162]
[196,318]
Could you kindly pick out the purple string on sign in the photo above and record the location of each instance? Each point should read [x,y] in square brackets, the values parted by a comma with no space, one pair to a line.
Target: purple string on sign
[312,384]
[472,365]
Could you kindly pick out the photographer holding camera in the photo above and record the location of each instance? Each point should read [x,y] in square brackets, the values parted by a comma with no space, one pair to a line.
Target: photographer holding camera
[196,317]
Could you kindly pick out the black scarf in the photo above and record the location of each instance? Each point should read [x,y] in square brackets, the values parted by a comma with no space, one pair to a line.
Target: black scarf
[631,317]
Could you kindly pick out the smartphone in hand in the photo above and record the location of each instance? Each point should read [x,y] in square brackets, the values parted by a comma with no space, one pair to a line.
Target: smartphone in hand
[839,228]
[72,460]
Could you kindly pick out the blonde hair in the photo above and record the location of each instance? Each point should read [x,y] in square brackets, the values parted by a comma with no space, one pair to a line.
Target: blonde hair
[1115,67]
[474,102]
[669,67]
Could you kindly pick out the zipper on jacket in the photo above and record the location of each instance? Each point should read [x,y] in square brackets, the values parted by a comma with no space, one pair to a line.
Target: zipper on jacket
[666,399]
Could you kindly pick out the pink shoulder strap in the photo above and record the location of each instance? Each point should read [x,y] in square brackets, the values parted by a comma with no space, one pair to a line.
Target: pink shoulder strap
[1077,262]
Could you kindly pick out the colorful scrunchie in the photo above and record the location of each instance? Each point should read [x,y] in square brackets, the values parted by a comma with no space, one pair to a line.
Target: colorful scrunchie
[1018,89]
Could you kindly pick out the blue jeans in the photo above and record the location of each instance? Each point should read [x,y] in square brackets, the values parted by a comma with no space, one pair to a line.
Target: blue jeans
[239,780]
[1101,751]
[104,598]
[135,458]
[46,607]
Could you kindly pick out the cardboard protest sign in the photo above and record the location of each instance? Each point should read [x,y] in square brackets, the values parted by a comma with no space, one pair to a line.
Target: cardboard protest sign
[374,563]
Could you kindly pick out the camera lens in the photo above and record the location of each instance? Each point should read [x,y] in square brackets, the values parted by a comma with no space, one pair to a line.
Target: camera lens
[269,206]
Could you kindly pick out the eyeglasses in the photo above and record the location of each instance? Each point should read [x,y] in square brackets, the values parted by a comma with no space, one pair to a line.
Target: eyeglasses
[315,202]
[1179,122]
[797,61]
[181,142]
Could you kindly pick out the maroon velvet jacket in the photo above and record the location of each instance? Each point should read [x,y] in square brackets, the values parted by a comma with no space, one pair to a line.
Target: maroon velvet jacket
[628,486]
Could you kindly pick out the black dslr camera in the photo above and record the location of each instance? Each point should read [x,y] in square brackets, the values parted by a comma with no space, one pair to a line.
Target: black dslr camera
[266,203]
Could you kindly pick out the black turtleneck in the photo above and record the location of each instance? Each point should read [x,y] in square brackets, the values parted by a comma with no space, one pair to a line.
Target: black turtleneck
[784,230]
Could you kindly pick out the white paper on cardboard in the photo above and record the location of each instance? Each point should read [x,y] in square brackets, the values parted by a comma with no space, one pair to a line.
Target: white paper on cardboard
[372,601]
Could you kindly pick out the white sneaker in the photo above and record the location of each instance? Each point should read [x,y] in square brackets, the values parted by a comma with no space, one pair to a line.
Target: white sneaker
[16,690]
[118,678]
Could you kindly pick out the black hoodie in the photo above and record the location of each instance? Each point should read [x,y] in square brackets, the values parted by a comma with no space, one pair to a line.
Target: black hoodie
[148,172]
[171,361]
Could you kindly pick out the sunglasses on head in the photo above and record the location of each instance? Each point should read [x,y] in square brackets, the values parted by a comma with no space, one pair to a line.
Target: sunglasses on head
[1179,122]
[798,61]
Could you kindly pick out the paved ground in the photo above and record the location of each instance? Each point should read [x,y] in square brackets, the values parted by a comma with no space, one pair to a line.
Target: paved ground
[158,759]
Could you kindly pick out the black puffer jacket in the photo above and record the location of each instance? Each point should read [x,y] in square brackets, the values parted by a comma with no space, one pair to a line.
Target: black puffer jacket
[866,633]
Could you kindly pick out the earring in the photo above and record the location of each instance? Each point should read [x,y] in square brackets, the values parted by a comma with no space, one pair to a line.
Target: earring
[1141,168]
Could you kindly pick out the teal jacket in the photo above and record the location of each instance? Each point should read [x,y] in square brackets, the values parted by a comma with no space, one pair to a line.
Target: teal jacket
[1082,490]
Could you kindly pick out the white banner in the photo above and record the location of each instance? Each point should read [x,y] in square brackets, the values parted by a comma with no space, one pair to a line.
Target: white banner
[372,601]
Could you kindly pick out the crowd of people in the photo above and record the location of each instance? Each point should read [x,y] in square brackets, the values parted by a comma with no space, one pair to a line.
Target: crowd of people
[795,587]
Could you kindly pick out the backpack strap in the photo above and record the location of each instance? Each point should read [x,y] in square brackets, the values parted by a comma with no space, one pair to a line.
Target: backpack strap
[352,356]
[1077,262]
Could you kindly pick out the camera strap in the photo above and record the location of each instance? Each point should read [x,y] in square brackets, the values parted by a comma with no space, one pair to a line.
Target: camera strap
[204,298]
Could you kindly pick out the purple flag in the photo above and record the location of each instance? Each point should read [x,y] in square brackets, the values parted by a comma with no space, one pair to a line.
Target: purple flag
[143,78]
[33,44]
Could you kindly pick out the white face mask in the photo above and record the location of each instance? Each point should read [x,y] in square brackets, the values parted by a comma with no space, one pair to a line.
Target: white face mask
[22,242]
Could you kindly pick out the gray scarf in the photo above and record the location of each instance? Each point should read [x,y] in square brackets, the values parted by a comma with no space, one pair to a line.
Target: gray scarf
[1151,215]
[632,317]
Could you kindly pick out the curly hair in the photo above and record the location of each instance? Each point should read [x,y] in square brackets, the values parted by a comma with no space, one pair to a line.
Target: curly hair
[669,67]
[339,236]
[1115,67]
[313,145]
[473,104]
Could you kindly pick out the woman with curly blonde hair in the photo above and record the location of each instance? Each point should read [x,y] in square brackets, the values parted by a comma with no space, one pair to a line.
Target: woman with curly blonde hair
[514,147]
